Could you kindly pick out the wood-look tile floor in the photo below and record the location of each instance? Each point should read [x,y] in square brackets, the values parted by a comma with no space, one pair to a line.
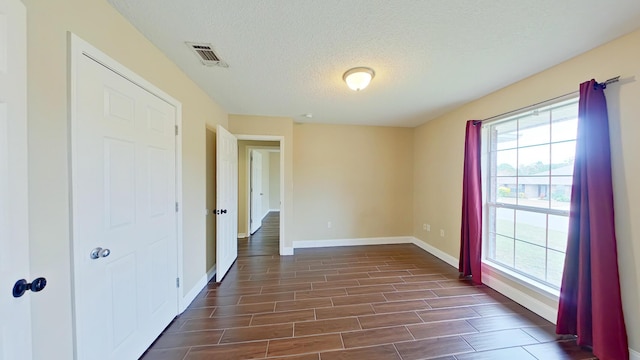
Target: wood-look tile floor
[366,302]
[265,241]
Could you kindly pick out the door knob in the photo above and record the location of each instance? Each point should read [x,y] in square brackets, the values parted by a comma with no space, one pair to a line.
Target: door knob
[21,286]
[99,252]
[223,211]
[95,253]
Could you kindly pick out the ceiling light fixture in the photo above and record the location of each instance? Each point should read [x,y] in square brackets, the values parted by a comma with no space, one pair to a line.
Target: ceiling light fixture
[358,78]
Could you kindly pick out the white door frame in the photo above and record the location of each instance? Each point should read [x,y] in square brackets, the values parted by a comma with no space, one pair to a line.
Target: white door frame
[78,48]
[282,166]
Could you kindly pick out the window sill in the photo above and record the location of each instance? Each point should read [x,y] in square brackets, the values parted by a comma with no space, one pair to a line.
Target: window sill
[524,281]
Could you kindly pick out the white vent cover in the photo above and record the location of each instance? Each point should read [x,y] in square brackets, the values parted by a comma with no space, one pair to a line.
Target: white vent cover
[206,54]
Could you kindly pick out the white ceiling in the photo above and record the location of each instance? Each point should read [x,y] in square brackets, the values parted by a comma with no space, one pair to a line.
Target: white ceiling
[287,57]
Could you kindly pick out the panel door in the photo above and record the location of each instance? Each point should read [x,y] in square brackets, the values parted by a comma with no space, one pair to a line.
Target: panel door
[124,214]
[15,313]
[256,191]
[226,201]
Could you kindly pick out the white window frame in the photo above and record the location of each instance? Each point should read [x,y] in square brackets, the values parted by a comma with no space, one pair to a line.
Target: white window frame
[505,271]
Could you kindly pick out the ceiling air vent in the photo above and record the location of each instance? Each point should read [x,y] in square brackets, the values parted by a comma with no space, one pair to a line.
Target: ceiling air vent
[206,55]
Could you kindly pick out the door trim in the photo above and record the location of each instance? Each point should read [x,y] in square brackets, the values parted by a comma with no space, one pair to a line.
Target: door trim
[282,141]
[78,48]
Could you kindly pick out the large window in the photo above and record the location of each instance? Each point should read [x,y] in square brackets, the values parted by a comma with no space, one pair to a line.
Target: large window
[529,161]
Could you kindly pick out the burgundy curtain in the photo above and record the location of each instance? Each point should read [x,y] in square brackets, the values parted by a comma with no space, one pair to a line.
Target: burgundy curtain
[471,229]
[590,303]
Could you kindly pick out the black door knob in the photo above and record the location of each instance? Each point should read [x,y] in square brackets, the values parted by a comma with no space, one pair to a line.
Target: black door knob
[224,211]
[21,286]
[38,284]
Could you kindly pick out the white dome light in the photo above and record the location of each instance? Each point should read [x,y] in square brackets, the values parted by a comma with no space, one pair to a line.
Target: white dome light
[358,78]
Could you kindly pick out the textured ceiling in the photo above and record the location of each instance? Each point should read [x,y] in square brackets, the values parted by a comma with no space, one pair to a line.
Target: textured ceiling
[287,57]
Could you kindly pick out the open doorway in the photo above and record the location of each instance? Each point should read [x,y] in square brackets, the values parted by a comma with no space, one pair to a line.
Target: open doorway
[259,184]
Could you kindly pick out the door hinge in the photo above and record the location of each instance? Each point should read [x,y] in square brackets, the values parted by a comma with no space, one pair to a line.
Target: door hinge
[177,282]
[176,129]
[177,207]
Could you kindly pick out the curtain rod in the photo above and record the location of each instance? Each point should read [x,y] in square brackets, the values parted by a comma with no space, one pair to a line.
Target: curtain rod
[610,81]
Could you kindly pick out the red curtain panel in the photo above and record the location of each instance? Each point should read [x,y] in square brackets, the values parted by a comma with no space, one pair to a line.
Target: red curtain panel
[471,228]
[590,303]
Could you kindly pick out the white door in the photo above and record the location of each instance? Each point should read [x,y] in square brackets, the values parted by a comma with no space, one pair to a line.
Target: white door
[124,202]
[15,313]
[256,191]
[226,201]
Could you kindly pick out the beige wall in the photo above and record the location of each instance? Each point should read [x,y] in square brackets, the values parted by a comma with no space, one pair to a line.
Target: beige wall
[274,180]
[439,155]
[99,24]
[211,199]
[244,147]
[359,178]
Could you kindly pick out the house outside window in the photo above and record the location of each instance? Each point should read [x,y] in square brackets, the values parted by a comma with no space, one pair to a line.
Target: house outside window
[528,161]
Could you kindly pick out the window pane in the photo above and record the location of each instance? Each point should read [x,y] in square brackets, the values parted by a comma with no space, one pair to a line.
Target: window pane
[504,250]
[534,191]
[506,162]
[534,129]
[505,222]
[505,189]
[531,259]
[531,227]
[533,160]
[555,267]
[504,135]
[561,192]
[564,123]
[562,157]
[558,232]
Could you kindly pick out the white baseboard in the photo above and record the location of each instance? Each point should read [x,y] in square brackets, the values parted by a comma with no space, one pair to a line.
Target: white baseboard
[521,298]
[634,355]
[436,252]
[286,251]
[211,273]
[304,244]
[242,235]
[274,210]
[191,295]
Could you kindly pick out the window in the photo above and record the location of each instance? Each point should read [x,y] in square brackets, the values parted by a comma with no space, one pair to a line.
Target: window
[529,165]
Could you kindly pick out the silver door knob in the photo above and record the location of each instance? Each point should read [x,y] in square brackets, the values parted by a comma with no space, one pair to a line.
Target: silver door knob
[99,252]
[95,253]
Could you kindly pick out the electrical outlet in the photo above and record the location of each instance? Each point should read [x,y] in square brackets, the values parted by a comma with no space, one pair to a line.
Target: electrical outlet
[441,233]
[424,226]
[428,227]
[328,224]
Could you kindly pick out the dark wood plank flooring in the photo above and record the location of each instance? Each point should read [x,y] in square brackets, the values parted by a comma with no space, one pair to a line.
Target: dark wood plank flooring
[265,241]
[363,302]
